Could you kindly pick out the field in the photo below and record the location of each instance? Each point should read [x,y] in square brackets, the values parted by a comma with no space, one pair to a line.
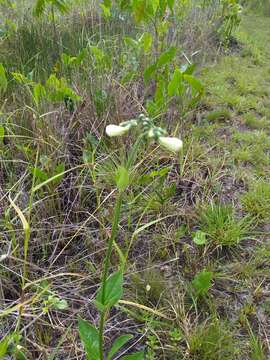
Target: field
[134,180]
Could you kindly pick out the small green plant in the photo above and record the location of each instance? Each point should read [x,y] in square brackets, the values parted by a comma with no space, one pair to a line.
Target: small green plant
[231,14]
[10,346]
[54,90]
[257,201]
[202,283]
[211,341]
[219,115]
[111,289]
[220,224]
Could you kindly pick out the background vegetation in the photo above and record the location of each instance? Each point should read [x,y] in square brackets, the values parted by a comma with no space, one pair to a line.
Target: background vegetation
[193,230]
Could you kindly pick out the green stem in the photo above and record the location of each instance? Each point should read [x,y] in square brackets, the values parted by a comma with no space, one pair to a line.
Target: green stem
[105,274]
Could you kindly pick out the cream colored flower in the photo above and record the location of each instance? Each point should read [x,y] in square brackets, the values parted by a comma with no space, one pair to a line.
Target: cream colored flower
[116,130]
[171,143]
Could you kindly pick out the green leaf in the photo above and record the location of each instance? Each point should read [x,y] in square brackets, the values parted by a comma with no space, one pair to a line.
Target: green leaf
[107,3]
[98,53]
[105,10]
[202,282]
[113,291]
[146,40]
[166,57]
[61,304]
[4,346]
[171,4]
[199,238]
[61,6]
[188,69]
[118,343]
[90,339]
[136,356]
[148,72]
[175,86]
[3,79]
[131,42]
[39,8]
[195,84]
[2,134]
[122,178]
[39,174]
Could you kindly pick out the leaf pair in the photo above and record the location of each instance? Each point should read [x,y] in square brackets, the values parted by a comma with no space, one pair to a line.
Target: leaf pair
[90,338]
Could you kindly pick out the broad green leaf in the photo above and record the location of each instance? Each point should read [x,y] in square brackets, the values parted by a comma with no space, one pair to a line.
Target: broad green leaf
[202,282]
[3,79]
[148,72]
[113,290]
[146,40]
[90,339]
[162,7]
[171,4]
[139,10]
[199,238]
[175,86]
[136,356]
[195,84]
[39,7]
[122,178]
[166,57]
[118,343]
[155,5]
[188,69]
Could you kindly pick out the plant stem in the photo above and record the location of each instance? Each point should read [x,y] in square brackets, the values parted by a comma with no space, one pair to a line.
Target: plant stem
[105,274]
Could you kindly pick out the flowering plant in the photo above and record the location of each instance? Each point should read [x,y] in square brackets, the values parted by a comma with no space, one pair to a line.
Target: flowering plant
[150,131]
[111,288]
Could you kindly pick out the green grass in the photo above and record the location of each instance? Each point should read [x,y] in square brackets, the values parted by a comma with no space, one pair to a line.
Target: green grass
[257,200]
[213,341]
[220,224]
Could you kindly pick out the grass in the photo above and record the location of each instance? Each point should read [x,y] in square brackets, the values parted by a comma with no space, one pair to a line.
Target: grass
[219,186]
[256,201]
[220,224]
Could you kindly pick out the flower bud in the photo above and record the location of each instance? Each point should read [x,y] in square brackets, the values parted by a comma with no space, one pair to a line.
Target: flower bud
[116,130]
[171,143]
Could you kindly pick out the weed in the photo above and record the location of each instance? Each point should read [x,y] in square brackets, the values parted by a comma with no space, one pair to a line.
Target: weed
[212,341]
[219,115]
[220,224]
[257,201]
